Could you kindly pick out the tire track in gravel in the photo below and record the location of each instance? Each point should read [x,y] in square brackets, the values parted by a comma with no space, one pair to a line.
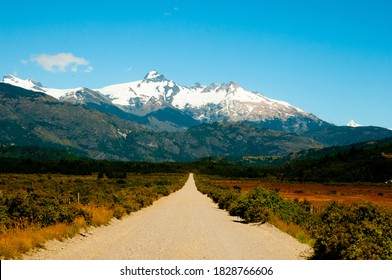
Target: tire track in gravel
[185,225]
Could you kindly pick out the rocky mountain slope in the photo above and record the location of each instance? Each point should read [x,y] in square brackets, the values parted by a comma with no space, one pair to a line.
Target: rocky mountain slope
[29,118]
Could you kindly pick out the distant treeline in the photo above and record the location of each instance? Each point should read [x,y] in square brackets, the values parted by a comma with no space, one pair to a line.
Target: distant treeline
[352,165]
[356,163]
[85,167]
[364,162]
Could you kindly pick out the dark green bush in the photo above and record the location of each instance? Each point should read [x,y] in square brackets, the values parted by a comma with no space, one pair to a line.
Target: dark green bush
[357,232]
[239,206]
[160,189]
[227,198]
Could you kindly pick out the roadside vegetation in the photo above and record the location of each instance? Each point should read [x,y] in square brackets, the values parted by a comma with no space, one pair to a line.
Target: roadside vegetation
[321,197]
[339,232]
[39,207]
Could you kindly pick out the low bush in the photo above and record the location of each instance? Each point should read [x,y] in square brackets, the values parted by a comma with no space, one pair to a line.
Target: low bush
[358,232]
[257,205]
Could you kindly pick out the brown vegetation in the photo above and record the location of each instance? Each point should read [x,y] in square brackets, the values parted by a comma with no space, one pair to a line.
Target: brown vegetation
[320,195]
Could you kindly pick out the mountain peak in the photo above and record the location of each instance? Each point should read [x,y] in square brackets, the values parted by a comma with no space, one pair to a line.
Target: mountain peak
[27,84]
[38,84]
[352,123]
[154,76]
[8,78]
[232,85]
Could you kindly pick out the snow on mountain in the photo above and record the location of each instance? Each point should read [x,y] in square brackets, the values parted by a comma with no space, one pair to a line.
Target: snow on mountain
[152,86]
[75,95]
[216,102]
[26,84]
[352,123]
[36,86]
[229,101]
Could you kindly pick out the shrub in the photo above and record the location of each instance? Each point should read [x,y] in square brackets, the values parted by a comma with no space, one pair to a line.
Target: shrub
[238,206]
[357,232]
[227,198]
[160,189]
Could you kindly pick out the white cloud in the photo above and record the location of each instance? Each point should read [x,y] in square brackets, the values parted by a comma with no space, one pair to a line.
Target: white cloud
[61,62]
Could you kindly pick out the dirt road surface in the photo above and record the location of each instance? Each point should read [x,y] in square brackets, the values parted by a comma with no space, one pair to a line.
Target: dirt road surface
[185,225]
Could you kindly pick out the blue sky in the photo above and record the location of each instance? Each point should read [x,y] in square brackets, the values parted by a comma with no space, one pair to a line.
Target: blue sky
[331,58]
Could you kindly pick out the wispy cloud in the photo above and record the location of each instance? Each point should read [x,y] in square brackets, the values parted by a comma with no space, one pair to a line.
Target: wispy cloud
[62,62]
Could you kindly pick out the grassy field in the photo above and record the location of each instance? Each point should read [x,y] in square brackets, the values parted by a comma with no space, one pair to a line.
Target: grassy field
[320,195]
[39,207]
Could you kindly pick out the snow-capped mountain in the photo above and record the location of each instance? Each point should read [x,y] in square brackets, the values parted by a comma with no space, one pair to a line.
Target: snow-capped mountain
[75,95]
[213,103]
[26,84]
[217,102]
[352,123]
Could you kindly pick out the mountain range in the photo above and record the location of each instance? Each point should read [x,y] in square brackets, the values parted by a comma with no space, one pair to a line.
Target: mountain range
[164,105]
[155,119]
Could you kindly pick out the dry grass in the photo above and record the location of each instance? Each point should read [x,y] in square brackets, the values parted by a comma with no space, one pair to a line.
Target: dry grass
[320,195]
[100,215]
[16,241]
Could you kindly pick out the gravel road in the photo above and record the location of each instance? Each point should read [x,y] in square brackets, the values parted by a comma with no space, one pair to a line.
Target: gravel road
[185,225]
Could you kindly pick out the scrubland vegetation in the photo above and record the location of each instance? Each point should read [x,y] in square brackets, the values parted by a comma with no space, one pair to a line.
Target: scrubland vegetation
[357,231]
[320,198]
[38,207]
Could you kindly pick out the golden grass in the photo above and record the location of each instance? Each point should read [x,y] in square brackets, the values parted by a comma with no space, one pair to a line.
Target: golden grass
[16,242]
[100,215]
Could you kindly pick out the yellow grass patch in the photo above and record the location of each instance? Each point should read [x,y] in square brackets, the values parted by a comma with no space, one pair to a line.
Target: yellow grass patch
[100,215]
[15,242]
